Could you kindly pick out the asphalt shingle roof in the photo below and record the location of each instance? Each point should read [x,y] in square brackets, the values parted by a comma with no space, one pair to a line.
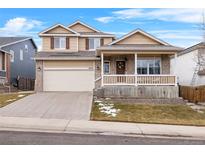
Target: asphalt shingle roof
[66,55]
[141,47]
[8,40]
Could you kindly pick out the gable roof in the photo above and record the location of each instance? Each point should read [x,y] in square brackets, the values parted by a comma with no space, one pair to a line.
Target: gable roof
[56,25]
[84,24]
[143,33]
[192,48]
[5,41]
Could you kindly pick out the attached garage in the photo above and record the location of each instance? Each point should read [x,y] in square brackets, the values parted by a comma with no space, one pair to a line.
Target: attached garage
[68,76]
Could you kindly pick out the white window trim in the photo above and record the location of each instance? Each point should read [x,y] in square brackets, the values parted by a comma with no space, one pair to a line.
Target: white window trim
[106,61]
[60,48]
[21,55]
[26,47]
[93,49]
[12,56]
[151,58]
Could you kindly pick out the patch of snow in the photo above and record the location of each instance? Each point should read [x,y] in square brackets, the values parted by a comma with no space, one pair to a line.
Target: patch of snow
[98,101]
[21,95]
[108,108]
[10,100]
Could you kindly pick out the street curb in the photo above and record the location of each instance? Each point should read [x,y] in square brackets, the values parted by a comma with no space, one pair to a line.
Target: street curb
[106,133]
[100,128]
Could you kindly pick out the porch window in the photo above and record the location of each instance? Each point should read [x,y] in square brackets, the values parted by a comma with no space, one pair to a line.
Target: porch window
[148,66]
[59,42]
[106,67]
[94,43]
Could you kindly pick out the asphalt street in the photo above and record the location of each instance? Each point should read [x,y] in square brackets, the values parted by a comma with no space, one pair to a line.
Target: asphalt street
[38,138]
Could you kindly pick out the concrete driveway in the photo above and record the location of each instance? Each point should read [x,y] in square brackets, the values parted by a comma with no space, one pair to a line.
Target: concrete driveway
[57,105]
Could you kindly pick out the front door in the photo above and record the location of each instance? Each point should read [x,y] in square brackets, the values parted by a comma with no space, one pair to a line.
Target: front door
[120,69]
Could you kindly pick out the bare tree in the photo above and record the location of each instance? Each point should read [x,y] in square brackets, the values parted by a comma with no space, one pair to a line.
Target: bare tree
[200,56]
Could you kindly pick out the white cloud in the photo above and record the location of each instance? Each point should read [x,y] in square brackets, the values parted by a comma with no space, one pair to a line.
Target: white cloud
[185,34]
[117,33]
[19,26]
[175,15]
[104,19]
[128,13]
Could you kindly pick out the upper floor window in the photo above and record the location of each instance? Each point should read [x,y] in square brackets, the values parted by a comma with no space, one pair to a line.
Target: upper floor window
[11,55]
[148,66]
[21,54]
[26,47]
[94,43]
[59,42]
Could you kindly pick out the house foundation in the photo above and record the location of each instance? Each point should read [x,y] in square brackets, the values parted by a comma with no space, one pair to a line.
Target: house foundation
[143,92]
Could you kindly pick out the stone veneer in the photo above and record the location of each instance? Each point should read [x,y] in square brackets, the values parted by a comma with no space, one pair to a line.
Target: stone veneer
[165,62]
[39,76]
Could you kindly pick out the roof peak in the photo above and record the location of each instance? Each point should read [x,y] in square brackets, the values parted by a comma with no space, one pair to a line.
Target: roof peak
[142,32]
[84,24]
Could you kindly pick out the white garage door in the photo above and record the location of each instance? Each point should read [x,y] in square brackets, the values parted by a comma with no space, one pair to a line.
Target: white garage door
[68,80]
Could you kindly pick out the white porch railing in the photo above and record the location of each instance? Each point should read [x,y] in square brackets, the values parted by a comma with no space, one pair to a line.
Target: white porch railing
[131,79]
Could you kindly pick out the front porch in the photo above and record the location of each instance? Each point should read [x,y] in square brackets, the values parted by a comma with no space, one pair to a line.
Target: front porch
[3,75]
[136,69]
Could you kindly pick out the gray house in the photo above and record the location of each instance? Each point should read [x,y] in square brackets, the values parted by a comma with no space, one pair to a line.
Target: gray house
[16,58]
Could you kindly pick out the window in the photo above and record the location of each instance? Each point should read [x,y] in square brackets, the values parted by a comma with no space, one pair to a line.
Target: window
[94,43]
[26,47]
[11,55]
[59,42]
[21,55]
[106,67]
[148,66]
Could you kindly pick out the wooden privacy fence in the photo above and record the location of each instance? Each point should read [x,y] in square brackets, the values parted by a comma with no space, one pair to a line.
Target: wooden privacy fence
[193,94]
[26,83]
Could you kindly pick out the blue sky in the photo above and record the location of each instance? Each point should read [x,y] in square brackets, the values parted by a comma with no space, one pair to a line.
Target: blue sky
[180,27]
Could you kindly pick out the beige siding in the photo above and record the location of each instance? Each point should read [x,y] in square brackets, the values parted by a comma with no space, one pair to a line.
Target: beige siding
[81,28]
[107,40]
[46,41]
[137,38]
[82,44]
[67,64]
[59,30]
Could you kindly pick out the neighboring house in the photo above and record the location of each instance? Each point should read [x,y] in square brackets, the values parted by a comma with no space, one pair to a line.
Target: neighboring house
[189,65]
[81,58]
[16,58]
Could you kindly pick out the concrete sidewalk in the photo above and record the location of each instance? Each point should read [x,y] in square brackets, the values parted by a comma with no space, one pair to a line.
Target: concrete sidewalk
[98,127]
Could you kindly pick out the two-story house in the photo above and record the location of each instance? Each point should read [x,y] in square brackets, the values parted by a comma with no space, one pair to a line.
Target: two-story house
[16,59]
[81,58]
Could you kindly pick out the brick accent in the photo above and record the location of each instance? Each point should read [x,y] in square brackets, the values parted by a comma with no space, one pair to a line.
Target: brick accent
[97,73]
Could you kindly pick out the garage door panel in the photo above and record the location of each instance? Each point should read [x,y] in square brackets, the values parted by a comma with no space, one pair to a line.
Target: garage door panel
[68,80]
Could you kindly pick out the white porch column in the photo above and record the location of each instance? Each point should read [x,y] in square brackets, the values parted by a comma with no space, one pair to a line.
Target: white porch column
[102,69]
[174,69]
[135,69]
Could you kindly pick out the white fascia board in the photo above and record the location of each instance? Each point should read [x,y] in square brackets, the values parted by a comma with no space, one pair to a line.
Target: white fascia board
[59,34]
[80,22]
[54,26]
[97,36]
